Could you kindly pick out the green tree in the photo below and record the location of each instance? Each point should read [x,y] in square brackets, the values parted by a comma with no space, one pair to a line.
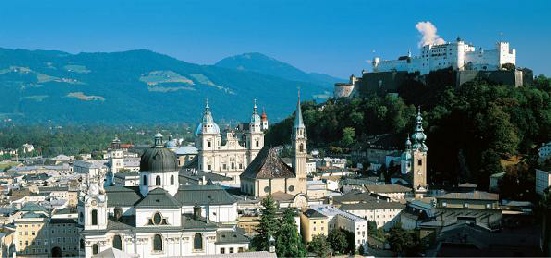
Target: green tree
[288,241]
[348,134]
[403,242]
[337,240]
[320,246]
[268,225]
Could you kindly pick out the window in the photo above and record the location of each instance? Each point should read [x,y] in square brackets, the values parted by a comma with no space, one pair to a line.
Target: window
[94,217]
[158,180]
[81,243]
[117,242]
[240,249]
[222,250]
[231,250]
[224,166]
[208,167]
[292,189]
[144,179]
[198,241]
[301,148]
[95,249]
[208,144]
[172,179]
[419,162]
[157,243]
[267,189]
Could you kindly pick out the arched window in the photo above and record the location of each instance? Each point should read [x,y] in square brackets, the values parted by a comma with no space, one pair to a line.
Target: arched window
[82,243]
[94,217]
[301,148]
[198,241]
[157,243]
[158,180]
[144,179]
[172,180]
[95,249]
[117,242]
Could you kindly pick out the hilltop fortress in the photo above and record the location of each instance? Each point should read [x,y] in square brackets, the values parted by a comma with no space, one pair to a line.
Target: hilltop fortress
[465,61]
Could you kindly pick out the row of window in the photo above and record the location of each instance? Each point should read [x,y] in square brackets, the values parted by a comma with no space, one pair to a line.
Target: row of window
[158,180]
[53,241]
[231,250]
[157,243]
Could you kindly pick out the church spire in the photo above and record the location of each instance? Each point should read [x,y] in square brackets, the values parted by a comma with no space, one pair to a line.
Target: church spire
[299,123]
[419,137]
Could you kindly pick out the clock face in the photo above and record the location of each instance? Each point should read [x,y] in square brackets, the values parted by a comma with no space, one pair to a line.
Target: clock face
[94,202]
[93,190]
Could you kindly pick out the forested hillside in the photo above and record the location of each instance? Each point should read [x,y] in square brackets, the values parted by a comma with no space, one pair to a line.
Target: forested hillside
[470,129]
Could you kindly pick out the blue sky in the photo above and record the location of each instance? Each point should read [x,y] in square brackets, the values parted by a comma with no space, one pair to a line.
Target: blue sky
[333,37]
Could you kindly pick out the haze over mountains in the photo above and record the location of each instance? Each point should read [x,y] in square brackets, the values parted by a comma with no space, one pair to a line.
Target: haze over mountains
[141,86]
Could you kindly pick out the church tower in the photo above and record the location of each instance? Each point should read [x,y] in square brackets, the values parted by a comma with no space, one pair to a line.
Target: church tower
[255,136]
[264,118]
[299,144]
[116,160]
[406,157]
[419,157]
[92,204]
[208,141]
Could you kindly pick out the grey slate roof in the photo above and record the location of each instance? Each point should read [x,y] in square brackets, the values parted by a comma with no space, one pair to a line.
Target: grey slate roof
[311,213]
[230,237]
[199,194]
[388,188]
[122,195]
[159,198]
[187,195]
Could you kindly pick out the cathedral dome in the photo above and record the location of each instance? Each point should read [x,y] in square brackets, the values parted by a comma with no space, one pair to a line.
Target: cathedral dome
[158,158]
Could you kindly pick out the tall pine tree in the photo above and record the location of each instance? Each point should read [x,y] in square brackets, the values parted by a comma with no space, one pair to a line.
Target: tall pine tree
[288,241]
[268,225]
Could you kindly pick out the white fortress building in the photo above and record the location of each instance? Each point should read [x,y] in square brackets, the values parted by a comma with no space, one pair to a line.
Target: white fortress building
[458,55]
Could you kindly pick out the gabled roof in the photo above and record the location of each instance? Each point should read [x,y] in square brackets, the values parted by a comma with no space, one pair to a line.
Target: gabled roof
[159,198]
[122,196]
[230,237]
[311,213]
[388,188]
[189,195]
[476,195]
[112,252]
[32,207]
[266,165]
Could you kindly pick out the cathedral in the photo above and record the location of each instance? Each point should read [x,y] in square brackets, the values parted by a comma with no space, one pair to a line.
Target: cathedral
[229,153]
[159,217]
[268,174]
[414,158]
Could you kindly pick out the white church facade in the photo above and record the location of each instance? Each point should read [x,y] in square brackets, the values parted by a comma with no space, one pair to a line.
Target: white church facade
[160,217]
[229,153]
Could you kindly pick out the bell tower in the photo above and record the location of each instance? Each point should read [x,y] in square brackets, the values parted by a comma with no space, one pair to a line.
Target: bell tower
[92,205]
[255,136]
[419,157]
[299,144]
[208,141]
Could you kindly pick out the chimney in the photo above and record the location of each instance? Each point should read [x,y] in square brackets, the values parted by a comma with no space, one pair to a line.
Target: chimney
[118,213]
[196,212]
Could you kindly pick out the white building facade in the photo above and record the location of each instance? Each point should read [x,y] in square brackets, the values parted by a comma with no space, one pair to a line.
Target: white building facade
[231,157]
[458,55]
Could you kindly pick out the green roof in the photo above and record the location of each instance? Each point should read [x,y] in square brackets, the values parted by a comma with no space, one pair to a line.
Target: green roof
[230,237]
[159,198]
[199,194]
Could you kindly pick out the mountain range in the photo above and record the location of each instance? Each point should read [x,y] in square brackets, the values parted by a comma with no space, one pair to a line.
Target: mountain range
[142,86]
